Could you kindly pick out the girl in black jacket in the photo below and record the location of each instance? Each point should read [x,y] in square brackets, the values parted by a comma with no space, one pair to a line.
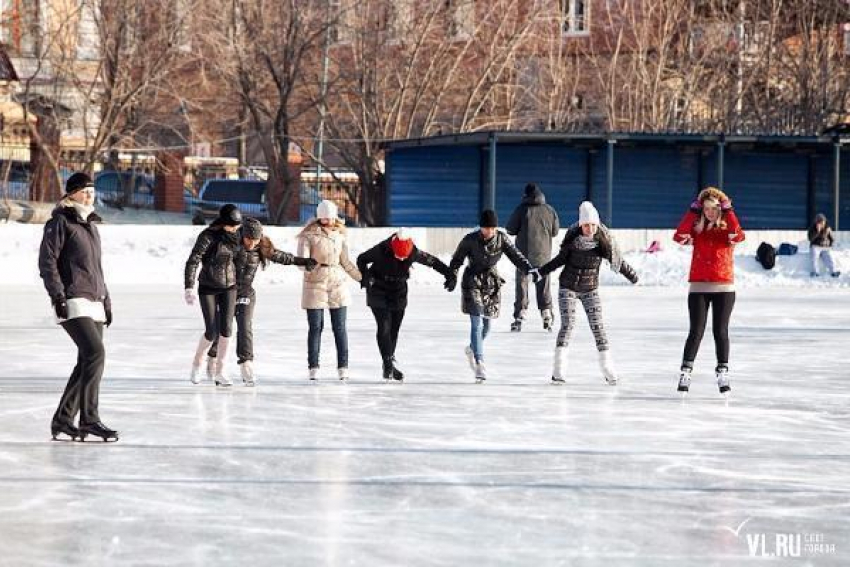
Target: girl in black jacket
[215,252]
[69,262]
[256,251]
[482,284]
[584,247]
[386,269]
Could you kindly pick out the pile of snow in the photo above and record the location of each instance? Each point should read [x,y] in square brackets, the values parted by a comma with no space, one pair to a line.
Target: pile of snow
[156,254]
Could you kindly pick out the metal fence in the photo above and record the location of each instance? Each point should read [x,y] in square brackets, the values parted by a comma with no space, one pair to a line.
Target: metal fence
[344,195]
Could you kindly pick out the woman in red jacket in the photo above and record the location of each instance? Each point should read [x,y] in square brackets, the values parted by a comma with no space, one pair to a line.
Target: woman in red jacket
[713,229]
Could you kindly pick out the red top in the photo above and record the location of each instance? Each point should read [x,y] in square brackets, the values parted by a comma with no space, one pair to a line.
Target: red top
[712,260]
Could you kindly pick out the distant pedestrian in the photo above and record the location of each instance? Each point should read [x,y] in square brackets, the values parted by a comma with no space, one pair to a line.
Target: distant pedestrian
[535,224]
[821,241]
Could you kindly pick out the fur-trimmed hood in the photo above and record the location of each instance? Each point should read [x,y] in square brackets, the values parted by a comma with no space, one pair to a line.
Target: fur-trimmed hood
[313,226]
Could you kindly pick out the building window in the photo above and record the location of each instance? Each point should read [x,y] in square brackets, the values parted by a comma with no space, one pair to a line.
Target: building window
[460,16]
[399,18]
[339,31]
[88,38]
[846,39]
[575,16]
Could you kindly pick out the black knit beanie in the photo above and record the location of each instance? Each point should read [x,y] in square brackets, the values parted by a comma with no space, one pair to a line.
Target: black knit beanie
[77,181]
[530,189]
[488,219]
[252,228]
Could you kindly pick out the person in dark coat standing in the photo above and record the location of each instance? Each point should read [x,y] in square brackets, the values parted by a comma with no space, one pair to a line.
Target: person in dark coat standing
[215,252]
[481,296]
[585,245]
[256,250]
[820,245]
[386,269]
[535,224]
[69,263]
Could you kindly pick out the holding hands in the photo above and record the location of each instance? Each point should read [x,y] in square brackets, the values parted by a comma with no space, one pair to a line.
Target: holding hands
[451,282]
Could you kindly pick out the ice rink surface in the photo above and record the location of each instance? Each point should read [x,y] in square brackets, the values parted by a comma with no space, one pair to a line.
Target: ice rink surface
[437,471]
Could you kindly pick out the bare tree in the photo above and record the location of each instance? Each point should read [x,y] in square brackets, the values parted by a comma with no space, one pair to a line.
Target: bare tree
[99,68]
[413,69]
[267,54]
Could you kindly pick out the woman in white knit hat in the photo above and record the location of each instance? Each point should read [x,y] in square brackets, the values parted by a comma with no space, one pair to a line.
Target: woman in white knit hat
[324,240]
[585,245]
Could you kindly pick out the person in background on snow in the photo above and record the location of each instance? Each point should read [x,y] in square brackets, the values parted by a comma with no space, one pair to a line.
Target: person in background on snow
[584,247]
[324,239]
[69,263]
[215,252]
[535,224]
[386,269]
[713,229]
[820,243]
[256,251]
[481,286]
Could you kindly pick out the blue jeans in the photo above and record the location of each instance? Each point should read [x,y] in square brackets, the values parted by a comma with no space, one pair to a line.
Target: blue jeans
[316,322]
[480,330]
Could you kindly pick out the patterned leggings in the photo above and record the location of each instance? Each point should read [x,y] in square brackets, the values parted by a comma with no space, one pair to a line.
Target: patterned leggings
[592,306]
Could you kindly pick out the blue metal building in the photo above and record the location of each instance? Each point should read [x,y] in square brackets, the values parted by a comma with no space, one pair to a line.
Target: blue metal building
[635,180]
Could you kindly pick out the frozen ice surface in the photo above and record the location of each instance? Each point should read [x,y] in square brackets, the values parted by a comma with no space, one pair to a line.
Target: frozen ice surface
[437,471]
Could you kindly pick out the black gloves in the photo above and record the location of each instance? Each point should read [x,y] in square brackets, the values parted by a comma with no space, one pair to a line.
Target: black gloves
[634,278]
[308,263]
[60,306]
[451,282]
[535,275]
[107,306]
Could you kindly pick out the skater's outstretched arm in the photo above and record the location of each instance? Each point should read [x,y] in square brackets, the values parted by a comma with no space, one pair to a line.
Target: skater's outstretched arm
[460,255]
[348,265]
[515,256]
[628,272]
[561,258]
[432,262]
[201,246]
[370,256]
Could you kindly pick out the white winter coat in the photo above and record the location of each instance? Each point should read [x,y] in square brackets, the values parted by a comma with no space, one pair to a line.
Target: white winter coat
[326,287]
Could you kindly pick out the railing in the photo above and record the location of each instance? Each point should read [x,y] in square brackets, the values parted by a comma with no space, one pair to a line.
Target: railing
[344,195]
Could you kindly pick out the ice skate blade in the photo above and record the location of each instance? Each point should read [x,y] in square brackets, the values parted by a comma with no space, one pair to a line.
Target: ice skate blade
[480,380]
[62,440]
[557,381]
[103,439]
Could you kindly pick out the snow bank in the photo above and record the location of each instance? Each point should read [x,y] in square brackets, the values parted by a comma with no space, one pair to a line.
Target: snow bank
[156,254]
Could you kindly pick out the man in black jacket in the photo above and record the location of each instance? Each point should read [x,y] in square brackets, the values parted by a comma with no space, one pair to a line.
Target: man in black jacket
[386,269]
[535,224]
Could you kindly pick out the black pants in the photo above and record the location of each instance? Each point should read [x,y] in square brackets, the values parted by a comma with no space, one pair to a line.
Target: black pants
[544,295]
[83,388]
[721,310]
[389,323]
[244,333]
[218,309]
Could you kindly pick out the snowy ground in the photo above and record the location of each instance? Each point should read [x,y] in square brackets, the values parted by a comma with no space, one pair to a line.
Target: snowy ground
[437,471]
